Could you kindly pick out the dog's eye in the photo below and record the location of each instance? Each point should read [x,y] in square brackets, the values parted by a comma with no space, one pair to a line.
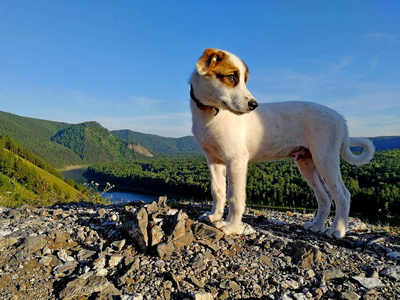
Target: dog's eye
[231,77]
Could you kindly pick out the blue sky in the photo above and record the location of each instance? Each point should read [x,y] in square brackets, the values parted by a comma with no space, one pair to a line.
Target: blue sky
[126,64]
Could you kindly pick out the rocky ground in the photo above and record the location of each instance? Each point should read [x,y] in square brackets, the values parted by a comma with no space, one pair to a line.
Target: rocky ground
[153,251]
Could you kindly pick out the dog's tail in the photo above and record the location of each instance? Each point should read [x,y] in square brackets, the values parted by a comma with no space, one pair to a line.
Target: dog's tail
[361,159]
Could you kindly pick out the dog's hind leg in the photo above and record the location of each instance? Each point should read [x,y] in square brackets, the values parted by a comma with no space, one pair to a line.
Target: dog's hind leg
[329,168]
[322,193]
[218,190]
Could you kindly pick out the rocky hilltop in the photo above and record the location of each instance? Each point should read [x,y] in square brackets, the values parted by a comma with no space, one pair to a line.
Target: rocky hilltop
[158,251]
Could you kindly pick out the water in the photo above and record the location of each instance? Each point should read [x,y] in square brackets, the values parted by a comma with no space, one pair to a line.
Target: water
[116,195]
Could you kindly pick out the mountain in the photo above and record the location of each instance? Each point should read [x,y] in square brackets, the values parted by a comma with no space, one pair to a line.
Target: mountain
[26,178]
[35,135]
[163,145]
[93,143]
[386,142]
[62,144]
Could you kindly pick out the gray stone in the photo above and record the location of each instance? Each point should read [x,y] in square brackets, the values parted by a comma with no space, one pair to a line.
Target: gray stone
[101,212]
[119,244]
[33,244]
[132,297]
[84,285]
[184,240]
[350,295]
[392,272]
[393,255]
[207,232]
[137,228]
[114,260]
[332,274]
[156,235]
[165,250]
[179,225]
[202,296]
[152,208]
[66,269]
[305,255]
[63,256]
[369,283]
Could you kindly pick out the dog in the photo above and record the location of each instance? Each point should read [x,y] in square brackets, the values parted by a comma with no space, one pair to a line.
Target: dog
[232,128]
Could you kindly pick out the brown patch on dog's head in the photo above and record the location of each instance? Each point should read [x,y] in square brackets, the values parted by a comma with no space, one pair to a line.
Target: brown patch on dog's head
[216,64]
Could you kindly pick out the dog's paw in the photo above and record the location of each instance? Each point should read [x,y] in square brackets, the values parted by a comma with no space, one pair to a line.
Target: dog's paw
[219,224]
[230,228]
[210,217]
[334,233]
[313,227]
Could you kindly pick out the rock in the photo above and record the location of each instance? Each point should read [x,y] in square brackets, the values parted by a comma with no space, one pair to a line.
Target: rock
[66,269]
[110,292]
[369,283]
[202,296]
[178,226]
[102,213]
[152,208]
[7,242]
[165,250]
[332,274]
[114,260]
[119,244]
[393,255]
[84,286]
[137,229]
[156,235]
[246,229]
[184,240]
[392,272]
[63,256]
[132,297]
[206,232]
[350,295]
[33,244]
[63,252]
[162,201]
[305,255]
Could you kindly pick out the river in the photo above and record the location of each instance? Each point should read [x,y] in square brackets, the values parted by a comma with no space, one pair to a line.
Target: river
[115,195]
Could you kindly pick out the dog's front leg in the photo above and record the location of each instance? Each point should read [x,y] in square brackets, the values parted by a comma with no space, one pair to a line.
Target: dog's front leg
[237,174]
[218,190]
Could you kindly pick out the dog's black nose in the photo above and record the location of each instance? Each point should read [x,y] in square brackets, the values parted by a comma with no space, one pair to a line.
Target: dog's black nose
[253,104]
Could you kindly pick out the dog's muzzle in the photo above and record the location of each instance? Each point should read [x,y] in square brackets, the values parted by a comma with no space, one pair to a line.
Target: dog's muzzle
[252,104]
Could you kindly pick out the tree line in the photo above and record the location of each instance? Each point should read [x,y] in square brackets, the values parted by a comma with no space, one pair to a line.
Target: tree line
[375,187]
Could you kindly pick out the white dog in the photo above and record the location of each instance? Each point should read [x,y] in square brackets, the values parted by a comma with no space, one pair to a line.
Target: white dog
[233,129]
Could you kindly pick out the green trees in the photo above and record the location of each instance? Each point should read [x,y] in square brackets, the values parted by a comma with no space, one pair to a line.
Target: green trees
[375,188]
[20,181]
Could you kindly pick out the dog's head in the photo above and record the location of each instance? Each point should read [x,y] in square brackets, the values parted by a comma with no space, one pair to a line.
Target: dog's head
[220,81]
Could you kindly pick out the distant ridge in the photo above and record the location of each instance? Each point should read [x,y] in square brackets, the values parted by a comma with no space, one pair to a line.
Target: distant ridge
[163,145]
[62,144]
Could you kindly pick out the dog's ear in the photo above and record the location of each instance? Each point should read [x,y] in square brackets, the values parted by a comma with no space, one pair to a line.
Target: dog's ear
[208,60]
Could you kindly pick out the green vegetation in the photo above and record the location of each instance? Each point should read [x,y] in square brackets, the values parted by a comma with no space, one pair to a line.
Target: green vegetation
[63,145]
[27,179]
[163,145]
[375,187]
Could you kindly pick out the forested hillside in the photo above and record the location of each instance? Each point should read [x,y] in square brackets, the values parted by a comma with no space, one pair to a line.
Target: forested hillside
[26,178]
[93,143]
[375,187]
[35,135]
[169,146]
[62,144]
